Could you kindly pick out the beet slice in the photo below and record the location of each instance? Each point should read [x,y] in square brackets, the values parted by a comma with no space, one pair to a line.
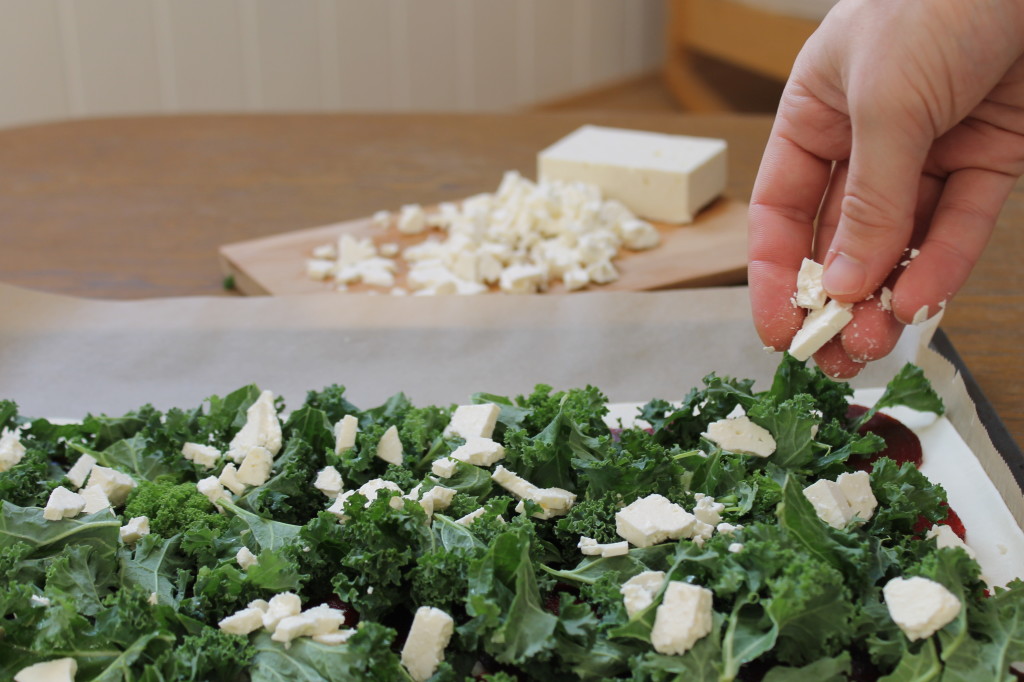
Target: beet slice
[901,444]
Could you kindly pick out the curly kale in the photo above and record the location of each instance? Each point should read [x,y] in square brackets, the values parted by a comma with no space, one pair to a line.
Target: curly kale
[28,483]
[173,508]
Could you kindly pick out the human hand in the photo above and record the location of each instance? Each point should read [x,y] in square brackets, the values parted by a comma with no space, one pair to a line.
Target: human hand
[901,126]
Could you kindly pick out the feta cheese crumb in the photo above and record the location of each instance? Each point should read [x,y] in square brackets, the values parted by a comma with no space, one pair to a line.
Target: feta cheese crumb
[328,481]
[840,501]
[919,606]
[205,456]
[245,558]
[653,519]
[345,434]
[683,617]
[229,478]
[57,670]
[708,511]
[945,537]
[11,450]
[479,451]
[885,299]
[473,421]
[444,467]
[469,518]
[369,490]
[79,471]
[389,448]
[214,491]
[819,327]
[242,622]
[428,637]
[115,484]
[256,466]
[735,547]
[639,591]
[739,434]
[63,504]
[95,499]
[281,606]
[412,219]
[437,498]
[136,529]
[591,547]
[810,293]
[262,429]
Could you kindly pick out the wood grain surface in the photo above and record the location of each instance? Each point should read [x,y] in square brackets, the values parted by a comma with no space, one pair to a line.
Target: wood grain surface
[136,207]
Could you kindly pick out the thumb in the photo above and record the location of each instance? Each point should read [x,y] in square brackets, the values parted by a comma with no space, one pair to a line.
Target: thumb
[877,209]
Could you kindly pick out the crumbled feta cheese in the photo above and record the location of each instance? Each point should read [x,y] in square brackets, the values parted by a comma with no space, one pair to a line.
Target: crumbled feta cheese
[381,219]
[683,617]
[242,622]
[469,518]
[919,606]
[739,434]
[281,606]
[205,456]
[136,529]
[653,519]
[553,501]
[810,293]
[437,498]
[78,473]
[389,448]
[335,638]
[39,601]
[328,481]
[262,429]
[444,467]
[727,528]
[473,421]
[735,547]
[11,450]
[885,299]
[115,484]
[412,219]
[638,235]
[945,537]
[57,670]
[369,490]
[819,327]
[479,451]
[639,591]
[838,502]
[95,499]
[708,511]
[255,468]
[319,269]
[591,547]
[212,488]
[245,558]
[229,478]
[424,648]
[345,433]
[523,279]
[63,504]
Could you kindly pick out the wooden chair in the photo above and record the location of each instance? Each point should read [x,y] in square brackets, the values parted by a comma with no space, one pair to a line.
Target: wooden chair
[758,40]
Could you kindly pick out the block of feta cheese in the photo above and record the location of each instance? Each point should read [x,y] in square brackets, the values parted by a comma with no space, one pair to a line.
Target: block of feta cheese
[810,293]
[919,606]
[657,176]
[136,529]
[242,622]
[95,499]
[63,504]
[345,433]
[57,670]
[205,456]
[229,478]
[480,451]
[428,637]
[639,591]
[256,466]
[683,617]
[328,481]
[837,502]
[389,447]
[473,421]
[11,450]
[819,327]
[80,470]
[115,484]
[262,429]
[653,519]
[591,547]
[739,434]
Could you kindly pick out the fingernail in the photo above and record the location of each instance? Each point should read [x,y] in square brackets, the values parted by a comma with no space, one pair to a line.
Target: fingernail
[844,275]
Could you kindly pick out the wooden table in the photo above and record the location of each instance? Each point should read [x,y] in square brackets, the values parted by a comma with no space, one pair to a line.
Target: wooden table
[136,207]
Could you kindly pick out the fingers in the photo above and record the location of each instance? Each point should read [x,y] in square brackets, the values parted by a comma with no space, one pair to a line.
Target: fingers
[961,225]
[873,332]
[783,206]
[876,210]
[835,362]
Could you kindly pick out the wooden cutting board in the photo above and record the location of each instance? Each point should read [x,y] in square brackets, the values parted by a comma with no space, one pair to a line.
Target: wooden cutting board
[711,251]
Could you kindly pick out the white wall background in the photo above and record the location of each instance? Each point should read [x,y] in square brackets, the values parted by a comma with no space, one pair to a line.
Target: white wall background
[74,58]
